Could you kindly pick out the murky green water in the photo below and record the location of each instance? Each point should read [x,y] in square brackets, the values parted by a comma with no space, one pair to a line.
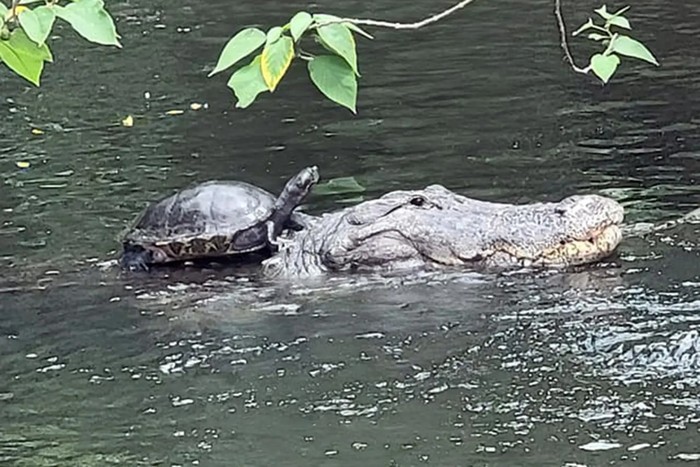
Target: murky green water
[208,367]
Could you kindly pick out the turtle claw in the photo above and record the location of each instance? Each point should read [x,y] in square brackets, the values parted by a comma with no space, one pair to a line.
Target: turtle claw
[281,243]
[277,242]
[135,259]
[136,266]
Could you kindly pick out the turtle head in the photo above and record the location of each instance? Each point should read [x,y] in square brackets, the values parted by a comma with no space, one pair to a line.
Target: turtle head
[305,180]
[294,192]
[297,188]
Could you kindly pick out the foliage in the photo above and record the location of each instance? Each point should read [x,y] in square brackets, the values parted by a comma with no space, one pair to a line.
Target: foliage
[334,72]
[26,26]
[615,44]
[25,30]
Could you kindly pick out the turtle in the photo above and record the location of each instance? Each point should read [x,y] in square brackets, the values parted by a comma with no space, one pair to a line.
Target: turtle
[214,219]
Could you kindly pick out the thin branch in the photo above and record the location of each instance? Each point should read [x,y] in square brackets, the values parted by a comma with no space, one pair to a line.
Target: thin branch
[13,10]
[437,17]
[564,42]
[392,25]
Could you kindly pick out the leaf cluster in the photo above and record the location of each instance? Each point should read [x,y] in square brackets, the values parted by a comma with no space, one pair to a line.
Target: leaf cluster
[25,30]
[334,71]
[605,64]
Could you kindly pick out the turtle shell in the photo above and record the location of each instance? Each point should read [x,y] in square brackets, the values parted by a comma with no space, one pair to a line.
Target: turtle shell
[202,220]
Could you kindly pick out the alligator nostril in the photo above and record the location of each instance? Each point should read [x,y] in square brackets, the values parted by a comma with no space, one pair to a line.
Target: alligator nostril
[562,242]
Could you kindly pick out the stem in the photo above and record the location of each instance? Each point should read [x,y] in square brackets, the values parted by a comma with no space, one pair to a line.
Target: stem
[303,55]
[601,29]
[438,16]
[608,49]
[393,25]
[564,43]
[13,10]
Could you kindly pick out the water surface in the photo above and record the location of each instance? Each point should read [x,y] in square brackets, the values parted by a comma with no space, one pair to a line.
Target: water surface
[211,367]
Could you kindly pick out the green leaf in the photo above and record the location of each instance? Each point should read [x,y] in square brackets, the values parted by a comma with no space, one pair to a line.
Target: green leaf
[247,82]
[320,18]
[24,57]
[275,61]
[3,9]
[597,37]
[604,66]
[23,42]
[589,24]
[90,19]
[625,45]
[37,23]
[338,38]
[299,24]
[273,35]
[341,185]
[238,47]
[619,21]
[335,79]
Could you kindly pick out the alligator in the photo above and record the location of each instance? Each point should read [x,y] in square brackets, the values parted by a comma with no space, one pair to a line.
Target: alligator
[436,227]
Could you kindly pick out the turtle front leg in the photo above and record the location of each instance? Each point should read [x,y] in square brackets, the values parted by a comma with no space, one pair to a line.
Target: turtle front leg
[135,258]
[278,242]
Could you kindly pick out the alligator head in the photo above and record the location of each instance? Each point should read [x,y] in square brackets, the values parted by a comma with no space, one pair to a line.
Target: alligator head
[436,226]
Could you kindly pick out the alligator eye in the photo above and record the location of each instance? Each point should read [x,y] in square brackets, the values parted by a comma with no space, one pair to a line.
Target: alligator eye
[418,201]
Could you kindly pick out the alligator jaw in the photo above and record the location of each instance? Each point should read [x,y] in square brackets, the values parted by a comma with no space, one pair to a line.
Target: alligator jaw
[599,245]
[572,252]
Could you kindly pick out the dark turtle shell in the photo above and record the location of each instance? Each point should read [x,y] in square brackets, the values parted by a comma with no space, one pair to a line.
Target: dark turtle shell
[201,220]
[215,218]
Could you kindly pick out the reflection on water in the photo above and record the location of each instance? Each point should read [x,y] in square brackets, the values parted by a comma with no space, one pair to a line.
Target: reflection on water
[212,366]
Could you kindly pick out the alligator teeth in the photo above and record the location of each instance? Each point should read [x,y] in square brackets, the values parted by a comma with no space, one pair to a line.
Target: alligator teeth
[573,252]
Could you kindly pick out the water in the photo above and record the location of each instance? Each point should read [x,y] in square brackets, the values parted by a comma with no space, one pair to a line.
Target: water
[211,367]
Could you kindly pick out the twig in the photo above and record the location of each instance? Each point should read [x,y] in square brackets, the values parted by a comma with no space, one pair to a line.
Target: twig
[564,42]
[437,17]
[392,25]
[13,10]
